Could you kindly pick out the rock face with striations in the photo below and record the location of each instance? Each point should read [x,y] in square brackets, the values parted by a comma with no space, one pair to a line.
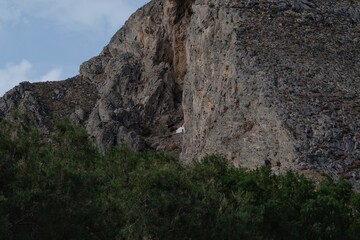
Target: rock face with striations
[259,81]
[275,81]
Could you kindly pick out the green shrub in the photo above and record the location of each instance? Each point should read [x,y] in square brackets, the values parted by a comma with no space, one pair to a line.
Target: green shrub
[63,188]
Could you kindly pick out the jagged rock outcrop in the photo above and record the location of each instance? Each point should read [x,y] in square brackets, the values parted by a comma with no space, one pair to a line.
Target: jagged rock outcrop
[42,103]
[257,81]
[140,75]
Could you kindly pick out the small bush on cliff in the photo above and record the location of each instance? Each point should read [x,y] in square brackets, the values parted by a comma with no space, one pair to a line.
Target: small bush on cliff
[68,190]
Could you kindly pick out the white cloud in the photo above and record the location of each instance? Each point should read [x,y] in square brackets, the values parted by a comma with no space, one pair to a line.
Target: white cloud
[52,75]
[89,14]
[98,16]
[13,74]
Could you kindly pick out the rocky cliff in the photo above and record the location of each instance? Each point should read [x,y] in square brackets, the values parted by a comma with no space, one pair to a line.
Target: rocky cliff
[259,81]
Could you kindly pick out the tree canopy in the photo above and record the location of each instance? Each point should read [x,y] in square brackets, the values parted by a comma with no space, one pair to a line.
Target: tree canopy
[64,188]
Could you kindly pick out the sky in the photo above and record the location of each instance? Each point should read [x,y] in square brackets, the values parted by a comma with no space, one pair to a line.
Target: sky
[47,40]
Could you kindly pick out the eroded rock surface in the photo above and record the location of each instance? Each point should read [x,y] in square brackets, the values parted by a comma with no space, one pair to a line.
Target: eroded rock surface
[259,81]
[275,81]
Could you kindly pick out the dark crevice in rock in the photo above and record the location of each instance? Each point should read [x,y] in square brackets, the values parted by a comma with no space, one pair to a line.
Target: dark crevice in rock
[182,8]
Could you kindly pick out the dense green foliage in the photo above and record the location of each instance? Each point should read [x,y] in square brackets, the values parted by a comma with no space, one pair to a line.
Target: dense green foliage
[66,189]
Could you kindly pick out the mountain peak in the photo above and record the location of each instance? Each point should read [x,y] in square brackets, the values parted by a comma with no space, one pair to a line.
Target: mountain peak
[256,81]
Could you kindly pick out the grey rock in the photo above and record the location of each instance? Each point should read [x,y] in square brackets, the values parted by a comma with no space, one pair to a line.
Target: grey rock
[253,80]
[79,116]
[80,113]
[131,138]
[277,85]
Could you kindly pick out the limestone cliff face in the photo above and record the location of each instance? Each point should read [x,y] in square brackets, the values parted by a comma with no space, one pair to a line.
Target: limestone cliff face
[257,81]
[274,81]
[140,75]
